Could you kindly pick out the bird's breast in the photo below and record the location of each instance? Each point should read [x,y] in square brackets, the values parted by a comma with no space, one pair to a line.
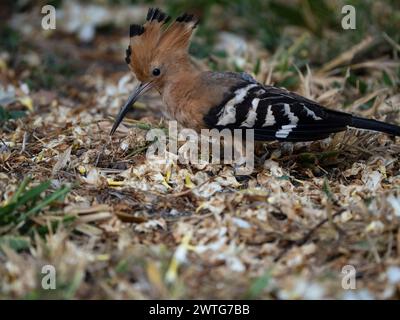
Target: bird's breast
[187,110]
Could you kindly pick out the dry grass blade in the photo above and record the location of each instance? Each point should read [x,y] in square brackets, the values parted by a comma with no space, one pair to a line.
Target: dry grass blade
[347,56]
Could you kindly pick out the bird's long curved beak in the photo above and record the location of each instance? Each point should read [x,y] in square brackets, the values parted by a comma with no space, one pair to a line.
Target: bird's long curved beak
[139,90]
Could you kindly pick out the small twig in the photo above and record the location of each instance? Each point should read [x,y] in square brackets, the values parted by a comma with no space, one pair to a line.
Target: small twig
[374,250]
[44,144]
[389,246]
[24,139]
[362,150]
[394,44]
[311,232]
[182,193]
[138,150]
[5,169]
[347,56]
[308,235]
[99,156]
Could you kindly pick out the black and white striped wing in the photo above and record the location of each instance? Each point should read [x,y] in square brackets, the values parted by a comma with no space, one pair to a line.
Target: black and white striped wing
[275,114]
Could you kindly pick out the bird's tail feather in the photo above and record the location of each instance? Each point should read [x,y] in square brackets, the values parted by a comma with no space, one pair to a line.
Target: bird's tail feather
[375,125]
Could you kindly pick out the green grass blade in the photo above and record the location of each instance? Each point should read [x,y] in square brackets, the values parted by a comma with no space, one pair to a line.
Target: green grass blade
[46,201]
[15,242]
[8,212]
[21,188]
[33,193]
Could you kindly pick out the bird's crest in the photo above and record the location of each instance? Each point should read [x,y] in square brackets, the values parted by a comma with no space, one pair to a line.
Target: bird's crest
[156,38]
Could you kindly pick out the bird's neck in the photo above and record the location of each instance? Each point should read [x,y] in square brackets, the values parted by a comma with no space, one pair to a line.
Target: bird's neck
[180,89]
[181,69]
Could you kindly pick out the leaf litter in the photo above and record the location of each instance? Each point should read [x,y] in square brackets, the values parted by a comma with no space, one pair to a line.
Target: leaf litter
[117,225]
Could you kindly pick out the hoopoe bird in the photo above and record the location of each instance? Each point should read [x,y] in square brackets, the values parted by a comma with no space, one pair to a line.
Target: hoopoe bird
[158,56]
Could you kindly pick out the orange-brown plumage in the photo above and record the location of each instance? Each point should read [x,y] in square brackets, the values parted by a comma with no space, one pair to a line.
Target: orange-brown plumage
[158,55]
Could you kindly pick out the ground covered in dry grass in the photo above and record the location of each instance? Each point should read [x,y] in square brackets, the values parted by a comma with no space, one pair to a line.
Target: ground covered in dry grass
[115,225]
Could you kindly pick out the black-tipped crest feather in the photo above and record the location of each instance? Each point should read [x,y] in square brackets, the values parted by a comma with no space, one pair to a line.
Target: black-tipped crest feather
[135,30]
[149,14]
[128,55]
[156,14]
[186,18]
[167,19]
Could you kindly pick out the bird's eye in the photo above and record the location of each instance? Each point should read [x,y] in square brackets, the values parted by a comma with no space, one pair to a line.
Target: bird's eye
[156,72]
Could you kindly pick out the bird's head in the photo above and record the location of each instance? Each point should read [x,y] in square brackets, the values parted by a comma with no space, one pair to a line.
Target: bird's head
[156,51]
